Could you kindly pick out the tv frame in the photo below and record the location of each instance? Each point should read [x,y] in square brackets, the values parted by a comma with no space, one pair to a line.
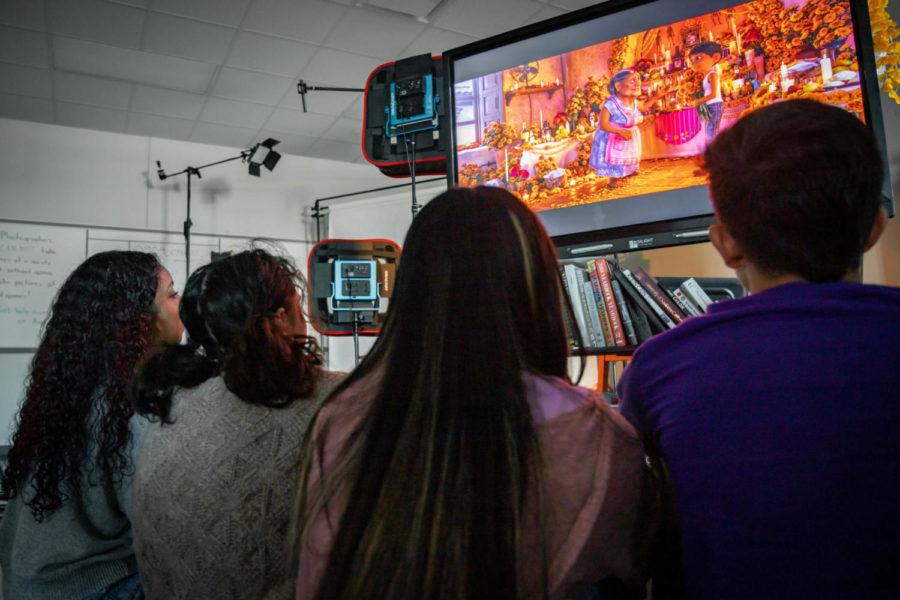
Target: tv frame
[600,227]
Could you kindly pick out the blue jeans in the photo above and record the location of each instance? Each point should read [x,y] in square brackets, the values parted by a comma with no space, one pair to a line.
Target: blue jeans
[127,588]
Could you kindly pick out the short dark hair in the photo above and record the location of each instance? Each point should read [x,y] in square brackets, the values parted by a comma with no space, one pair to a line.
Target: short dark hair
[797,184]
[708,48]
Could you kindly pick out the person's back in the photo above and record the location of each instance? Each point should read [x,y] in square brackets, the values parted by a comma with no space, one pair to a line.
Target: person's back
[216,477]
[776,413]
[457,461]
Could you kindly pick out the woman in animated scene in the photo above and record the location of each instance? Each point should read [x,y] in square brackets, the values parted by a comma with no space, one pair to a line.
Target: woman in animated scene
[458,460]
[66,533]
[704,59]
[616,151]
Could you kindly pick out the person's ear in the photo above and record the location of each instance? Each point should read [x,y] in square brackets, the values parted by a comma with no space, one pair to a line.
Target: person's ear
[727,247]
[279,314]
[877,228]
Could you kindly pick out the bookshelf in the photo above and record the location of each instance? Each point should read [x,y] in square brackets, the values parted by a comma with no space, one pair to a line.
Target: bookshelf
[674,262]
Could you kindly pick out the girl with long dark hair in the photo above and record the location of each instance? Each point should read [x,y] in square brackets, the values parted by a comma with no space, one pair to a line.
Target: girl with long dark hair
[458,461]
[216,476]
[66,532]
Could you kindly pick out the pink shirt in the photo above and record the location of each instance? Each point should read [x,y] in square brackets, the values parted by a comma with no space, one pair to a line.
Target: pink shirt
[594,484]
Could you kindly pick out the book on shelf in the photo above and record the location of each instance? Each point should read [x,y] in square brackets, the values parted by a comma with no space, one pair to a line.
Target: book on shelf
[642,328]
[624,312]
[661,298]
[573,287]
[688,307]
[695,293]
[649,300]
[638,303]
[599,272]
[568,318]
[598,340]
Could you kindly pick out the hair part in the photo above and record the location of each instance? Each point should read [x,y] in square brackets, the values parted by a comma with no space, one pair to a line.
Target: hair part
[798,186]
[98,329]
[229,309]
[618,77]
[708,48]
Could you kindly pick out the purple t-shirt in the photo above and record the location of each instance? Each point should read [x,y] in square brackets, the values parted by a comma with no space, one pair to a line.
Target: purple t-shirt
[778,415]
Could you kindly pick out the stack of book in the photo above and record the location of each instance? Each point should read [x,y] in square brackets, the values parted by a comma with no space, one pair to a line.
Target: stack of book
[614,307]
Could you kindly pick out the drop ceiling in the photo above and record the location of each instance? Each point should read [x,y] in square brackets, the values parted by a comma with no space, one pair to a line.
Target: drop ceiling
[226,71]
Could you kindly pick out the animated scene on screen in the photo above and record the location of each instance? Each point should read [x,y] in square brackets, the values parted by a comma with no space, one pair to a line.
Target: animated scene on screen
[629,116]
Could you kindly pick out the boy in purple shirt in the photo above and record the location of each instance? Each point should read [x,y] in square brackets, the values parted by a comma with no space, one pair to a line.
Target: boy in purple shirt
[778,414]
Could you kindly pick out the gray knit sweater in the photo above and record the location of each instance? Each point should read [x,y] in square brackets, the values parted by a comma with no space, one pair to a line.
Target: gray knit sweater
[214,491]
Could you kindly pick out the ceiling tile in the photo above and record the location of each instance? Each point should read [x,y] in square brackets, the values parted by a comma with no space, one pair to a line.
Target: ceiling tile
[345,130]
[240,114]
[269,54]
[90,117]
[339,69]
[363,32]
[166,34]
[223,135]
[289,143]
[160,127]
[309,21]
[137,3]
[482,19]
[237,84]
[330,149]
[418,8]
[98,21]
[547,12]
[24,47]
[169,103]
[323,102]
[26,81]
[570,5]
[298,123]
[435,41]
[84,89]
[25,108]
[223,12]
[23,13]
[131,65]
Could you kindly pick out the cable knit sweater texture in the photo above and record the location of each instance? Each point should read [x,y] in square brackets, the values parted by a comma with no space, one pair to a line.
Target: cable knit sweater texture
[214,492]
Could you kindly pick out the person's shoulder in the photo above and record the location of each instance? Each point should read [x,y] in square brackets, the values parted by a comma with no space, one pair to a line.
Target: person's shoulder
[557,403]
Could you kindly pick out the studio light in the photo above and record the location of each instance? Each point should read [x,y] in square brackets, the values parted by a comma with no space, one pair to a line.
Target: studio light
[263,154]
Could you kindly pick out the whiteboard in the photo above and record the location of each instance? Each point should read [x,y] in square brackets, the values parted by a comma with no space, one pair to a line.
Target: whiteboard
[34,262]
[35,259]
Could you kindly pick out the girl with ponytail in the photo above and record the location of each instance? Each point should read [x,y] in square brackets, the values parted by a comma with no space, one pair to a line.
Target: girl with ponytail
[215,479]
[457,461]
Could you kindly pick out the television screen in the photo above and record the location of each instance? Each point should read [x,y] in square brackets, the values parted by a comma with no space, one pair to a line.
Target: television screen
[596,118]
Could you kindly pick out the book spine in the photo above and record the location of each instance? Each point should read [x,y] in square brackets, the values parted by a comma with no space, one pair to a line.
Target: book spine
[607,329]
[686,305]
[575,298]
[624,312]
[662,299]
[590,306]
[639,306]
[692,290]
[612,310]
[567,315]
[660,313]
[593,267]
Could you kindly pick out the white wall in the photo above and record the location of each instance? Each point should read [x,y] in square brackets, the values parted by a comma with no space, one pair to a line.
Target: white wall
[60,175]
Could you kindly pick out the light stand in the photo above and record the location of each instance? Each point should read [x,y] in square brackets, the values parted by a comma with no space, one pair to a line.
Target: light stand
[267,158]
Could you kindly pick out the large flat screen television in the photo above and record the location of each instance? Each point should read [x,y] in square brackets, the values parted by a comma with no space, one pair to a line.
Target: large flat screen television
[528,106]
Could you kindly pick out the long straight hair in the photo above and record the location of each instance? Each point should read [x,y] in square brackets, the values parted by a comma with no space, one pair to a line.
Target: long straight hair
[436,479]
